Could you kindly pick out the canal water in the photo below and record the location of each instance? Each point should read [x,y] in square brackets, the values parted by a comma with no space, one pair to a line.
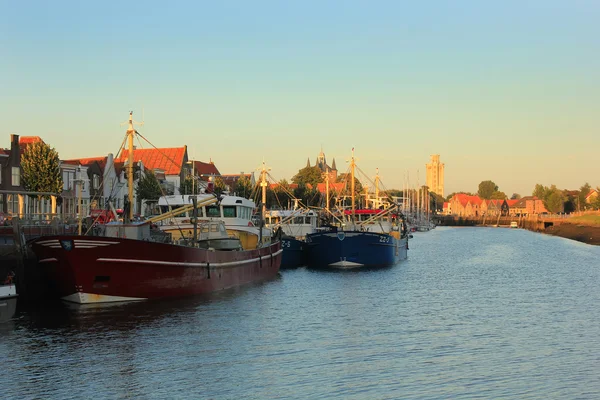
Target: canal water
[482,313]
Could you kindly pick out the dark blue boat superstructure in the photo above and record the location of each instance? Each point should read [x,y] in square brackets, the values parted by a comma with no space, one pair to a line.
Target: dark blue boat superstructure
[334,248]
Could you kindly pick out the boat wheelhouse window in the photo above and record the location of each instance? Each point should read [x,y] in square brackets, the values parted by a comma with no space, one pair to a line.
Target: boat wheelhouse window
[298,220]
[229,212]
[213,212]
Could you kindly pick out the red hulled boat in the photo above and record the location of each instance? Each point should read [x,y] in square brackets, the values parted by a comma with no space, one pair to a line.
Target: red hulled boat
[134,262]
[94,269]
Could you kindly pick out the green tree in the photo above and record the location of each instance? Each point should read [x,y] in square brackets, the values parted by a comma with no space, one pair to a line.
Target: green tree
[41,169]
[148,187]
[308,175]
[243,187]
[515,196]
[189,186]
[486,189]
[220,186]
[539,191]
[555,200]
[498,195]
[583,192]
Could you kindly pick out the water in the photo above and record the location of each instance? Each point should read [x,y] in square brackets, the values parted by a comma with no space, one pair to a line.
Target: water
[473,313]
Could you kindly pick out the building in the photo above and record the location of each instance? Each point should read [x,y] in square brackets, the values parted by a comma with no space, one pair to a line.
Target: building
[12,198]
[435,175]
[324,167]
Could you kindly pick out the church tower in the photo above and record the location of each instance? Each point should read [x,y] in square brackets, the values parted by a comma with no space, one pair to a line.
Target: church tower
[435,175]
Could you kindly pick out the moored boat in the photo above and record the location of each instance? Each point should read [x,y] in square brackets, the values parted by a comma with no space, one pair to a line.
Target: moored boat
[294,225]
[136,261]
[363,238]
[94,269]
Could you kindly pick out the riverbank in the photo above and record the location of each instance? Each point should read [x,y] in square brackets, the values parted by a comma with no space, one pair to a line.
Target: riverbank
[589,234]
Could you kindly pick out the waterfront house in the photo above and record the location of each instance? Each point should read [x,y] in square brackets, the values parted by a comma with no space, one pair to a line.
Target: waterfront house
[76,193]
[528,205]
[171,161]
[465,205]
[12,192]
[203,173]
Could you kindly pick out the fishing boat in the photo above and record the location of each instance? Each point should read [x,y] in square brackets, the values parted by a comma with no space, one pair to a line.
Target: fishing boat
[294,226]
[235,212]
[137,261]
[366,238]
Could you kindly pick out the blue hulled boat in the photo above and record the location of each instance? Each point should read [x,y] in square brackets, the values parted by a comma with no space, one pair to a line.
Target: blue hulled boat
[333,248]
[365,238]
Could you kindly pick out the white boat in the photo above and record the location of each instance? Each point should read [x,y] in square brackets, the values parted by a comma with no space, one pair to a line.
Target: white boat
[235,212]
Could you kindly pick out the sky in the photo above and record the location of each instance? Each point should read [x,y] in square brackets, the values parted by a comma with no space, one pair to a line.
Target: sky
[503,91]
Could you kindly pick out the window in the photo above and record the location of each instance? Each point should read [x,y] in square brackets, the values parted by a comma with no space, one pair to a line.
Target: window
[229,211]
[16,176]
[96,181]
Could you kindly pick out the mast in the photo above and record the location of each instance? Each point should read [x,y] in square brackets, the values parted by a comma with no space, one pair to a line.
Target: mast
[376,205]
[130,135]
[263,184]
[352,186]
[327,191]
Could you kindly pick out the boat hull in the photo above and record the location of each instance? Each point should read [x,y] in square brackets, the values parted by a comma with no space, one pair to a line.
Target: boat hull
[354,249]
[86,269]
[293,253]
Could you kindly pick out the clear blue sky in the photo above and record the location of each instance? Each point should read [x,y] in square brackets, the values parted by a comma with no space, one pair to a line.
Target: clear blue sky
[504,91]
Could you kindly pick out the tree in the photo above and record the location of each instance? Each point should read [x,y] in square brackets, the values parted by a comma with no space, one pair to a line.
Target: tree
[148,187]
[243,187]
[539,191]
[486,189]
[41,169]
[555,200]
[189,186]
[308,175]
[498,195]
[515,196]
[220,186]
[583,192]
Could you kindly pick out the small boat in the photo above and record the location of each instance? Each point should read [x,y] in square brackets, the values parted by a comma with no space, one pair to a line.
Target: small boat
[364,238]
[137,261]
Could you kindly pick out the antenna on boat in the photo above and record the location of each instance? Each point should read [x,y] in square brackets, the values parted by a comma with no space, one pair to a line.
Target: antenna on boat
[130,134]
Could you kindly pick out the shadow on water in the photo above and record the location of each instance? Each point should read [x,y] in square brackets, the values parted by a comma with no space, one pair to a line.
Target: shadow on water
[60,315]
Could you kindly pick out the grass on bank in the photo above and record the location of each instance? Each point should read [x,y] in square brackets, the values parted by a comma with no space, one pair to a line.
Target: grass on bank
[593,220]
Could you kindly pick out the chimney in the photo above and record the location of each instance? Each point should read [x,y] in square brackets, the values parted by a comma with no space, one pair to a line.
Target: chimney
[15,150]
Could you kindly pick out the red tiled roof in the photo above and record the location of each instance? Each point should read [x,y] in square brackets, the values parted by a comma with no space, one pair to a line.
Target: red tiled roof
[202,168]
[512,202]
[333,187]
[168,159]
[24,140]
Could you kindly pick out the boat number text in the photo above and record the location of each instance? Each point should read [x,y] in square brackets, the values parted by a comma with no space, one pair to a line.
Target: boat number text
[384,239]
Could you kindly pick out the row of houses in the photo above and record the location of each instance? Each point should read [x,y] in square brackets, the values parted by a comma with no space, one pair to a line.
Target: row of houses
[96,181]
[464,205]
